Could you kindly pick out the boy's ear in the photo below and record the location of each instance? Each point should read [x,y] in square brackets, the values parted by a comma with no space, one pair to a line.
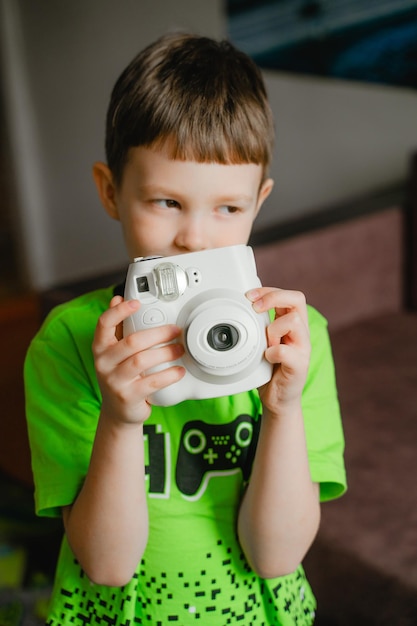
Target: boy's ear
[106,189]
[264,192]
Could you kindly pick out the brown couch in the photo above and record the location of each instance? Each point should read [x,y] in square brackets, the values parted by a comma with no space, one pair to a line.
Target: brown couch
[361,272]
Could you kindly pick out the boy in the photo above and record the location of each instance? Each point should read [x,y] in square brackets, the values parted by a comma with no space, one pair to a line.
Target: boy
[188,143]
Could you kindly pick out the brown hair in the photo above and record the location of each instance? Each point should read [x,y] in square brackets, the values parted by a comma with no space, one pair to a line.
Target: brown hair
[204,99]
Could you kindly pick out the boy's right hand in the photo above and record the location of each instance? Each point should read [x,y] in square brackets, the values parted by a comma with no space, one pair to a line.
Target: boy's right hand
[122,362]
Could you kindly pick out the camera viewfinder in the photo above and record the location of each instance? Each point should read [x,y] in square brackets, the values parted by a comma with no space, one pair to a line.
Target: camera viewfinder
[142,283]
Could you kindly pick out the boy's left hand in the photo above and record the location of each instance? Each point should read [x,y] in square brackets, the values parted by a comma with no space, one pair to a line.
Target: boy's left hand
[288,348]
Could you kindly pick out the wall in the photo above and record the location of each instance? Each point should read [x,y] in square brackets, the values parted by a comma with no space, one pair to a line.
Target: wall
[60,59]
[336,141]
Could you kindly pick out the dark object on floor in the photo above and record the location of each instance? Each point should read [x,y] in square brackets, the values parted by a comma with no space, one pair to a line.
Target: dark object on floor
[11,613]
[38,538]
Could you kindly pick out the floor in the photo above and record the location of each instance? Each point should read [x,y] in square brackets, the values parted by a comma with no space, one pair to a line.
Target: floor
[28,545]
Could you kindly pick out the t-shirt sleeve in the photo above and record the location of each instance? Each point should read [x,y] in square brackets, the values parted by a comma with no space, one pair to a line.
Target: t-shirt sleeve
[323,423]
[62,405]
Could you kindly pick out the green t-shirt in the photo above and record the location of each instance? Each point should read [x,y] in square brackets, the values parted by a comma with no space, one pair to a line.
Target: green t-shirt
[198,457]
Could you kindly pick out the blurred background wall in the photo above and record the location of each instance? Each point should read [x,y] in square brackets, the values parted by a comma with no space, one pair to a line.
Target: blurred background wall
[59,61]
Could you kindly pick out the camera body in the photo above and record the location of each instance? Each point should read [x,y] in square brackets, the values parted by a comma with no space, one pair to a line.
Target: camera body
[204,294]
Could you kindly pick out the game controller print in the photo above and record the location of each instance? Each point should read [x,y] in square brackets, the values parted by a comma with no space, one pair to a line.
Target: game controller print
[208,450]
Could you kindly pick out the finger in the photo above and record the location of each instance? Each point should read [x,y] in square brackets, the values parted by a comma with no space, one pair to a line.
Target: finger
[144,387]
[140,363]
[147,338]
[115,301]
[108,356]
[132,394]
[283,355]
[265,298]
[119,328]
[108,321]
[289,328]
[162,379]
[282,300]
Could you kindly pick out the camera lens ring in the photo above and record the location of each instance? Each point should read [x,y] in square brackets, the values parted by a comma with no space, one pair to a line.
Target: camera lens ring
[197,320]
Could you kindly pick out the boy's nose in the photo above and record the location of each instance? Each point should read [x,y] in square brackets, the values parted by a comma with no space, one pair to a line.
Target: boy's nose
[192,235]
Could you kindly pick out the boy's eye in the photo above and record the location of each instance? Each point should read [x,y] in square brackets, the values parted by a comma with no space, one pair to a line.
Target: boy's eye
[228,209]
[167,204]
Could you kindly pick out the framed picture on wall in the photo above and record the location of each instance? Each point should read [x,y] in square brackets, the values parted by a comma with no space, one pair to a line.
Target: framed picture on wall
[362,40]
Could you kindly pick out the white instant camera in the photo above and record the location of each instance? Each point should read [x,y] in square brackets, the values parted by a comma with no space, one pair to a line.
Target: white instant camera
[204,294]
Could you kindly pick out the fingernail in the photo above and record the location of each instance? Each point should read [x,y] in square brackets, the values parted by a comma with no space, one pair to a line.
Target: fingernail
[253,295]
[258,305]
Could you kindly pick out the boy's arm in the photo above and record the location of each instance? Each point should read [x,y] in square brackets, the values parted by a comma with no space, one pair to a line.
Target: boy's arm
[280,512]
[107,525]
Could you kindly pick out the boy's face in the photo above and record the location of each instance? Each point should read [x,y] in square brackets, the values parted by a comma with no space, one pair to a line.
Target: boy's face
[169,207]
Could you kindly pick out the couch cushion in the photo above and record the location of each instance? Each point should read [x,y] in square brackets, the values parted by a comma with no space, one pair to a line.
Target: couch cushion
[349,271]
[364,562]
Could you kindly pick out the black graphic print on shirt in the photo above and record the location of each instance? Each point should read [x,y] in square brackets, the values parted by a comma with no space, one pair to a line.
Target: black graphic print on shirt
[205,450]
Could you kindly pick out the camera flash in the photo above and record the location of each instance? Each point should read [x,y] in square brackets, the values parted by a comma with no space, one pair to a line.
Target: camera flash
[171,281]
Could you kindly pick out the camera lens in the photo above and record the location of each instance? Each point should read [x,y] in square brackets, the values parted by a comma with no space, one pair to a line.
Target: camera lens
[222,337]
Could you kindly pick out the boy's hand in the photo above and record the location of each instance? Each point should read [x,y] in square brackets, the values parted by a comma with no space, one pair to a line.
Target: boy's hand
[122,362]
[288,348]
